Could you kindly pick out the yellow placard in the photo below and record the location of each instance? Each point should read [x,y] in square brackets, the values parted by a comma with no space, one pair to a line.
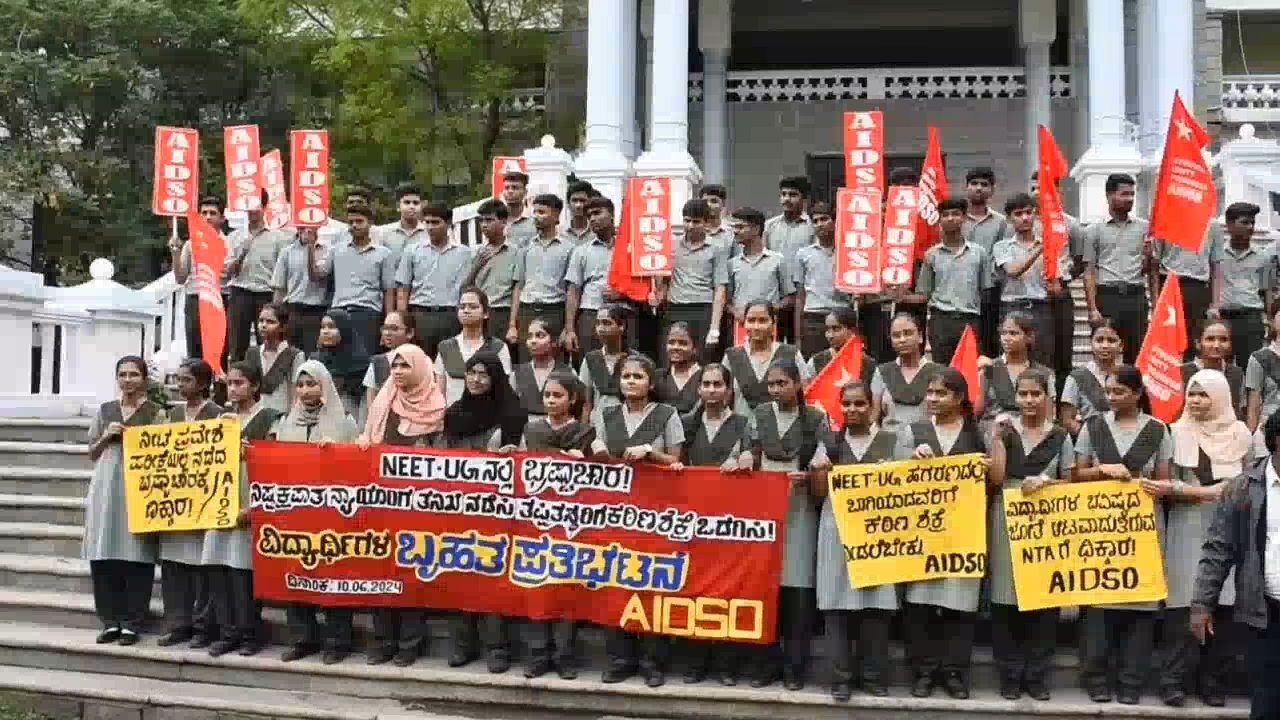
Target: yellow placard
[912,520]
[1091,543]
[184,476]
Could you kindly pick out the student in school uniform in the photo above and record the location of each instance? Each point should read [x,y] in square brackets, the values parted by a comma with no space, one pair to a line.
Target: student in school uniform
[1210,447]
[317,417]
[749,363]
[541,268]
[408,411]
[758,274]
[719,232]
[530,378]
[1084,391]
[1195,270]
[715,436]
[696,291]
[344,355]
[553,643]
[1019,262]
[954,277]
[182,586]
[397,329]
[587,278]
[455,352]
[1262,376]
[300,282]
[1018,340]
[1030,452]
[861,616]
[121,564]
[1120,444]
[785,234]
[521,228]
[899,386]
[429,279]
[598,366]
[364,277]
[578,194]
[984,227]
[408,229]
[253,252]
[637,429]
[813,272]
[275,358]
[1119,267]
[679,382]
[1212,349]
[1244,284]
[226,556]
[841,325]
[939,615]
[493,270]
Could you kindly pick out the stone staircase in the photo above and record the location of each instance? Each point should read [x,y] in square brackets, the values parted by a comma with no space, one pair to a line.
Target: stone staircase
[49,662]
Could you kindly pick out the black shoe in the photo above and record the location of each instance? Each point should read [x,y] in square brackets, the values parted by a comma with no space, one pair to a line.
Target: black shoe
[249,648]
[655,678]
[1214,698]
[333,655]
[1173,696]
[762,681]
[201,641]
[1129,696]
[460,658]
[297,652]
[616,674]
[222,647]
[537,667]
[1037,690]
[922,687]
[567,669]
[875,688]
[726,678]
[128,637]
[1010,690]
[792,680]
[498,662]
[404,657]
[177,637]
[378,656]
[695,675]
[841,692]
[1099,694]
[955,686]
[108,636]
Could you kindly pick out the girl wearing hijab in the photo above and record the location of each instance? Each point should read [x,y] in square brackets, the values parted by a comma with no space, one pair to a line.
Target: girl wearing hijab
[317,417]
[408,411]
[398,328]
[488,416]
[343,354]
[276,360]
[1210,446]
[454,353]
[530,378]
[121,564]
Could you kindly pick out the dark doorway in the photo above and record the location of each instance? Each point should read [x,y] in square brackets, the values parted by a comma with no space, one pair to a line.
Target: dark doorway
[826,170]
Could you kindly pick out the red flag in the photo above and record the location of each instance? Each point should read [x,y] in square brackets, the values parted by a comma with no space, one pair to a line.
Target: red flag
[620,278]
[1053,222]
[845,367]
[208,252]
[1160,360]
[1185,197]
[966,361]
[933,190]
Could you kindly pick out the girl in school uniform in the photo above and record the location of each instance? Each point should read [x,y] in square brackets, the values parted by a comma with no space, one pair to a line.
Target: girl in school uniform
[1083,394]
[898,387]
[1017,343]
[849,615]
[1120,444]
[1210,446]
[842,326]
[529,378]
[637,429]
[342,352]
[1262,377]
[1028,451]
[598,371]
[749,362]
[408,411]
[454,353]
[186,599]
[276,360]
[488,416]
[227,555]
[787,435]
[715,436]
[679,382]
[939,615]
[1213,352]
[553,643]
[398,328]
[317,417]
[121,564]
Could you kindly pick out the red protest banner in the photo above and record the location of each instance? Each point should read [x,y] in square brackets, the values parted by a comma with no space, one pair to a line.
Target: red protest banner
[175,186]
[503,165]
[1160,359]
[271,177]
[845,367]
[1053,220]
[864,149]
[933,190]
[208,254]
[858,231]
[897,247]
[1185,196]
[240,150]
[642,548]
[652,246]
[309,171]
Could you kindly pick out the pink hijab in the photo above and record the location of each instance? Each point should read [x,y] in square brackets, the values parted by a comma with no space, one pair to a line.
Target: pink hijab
[420,406]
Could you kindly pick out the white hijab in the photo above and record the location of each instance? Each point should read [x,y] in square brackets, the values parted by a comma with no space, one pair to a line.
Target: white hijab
[1222,437]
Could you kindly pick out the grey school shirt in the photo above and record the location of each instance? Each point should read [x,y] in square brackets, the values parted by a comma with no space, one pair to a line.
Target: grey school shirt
[589,272]
[788,236]
[952,280]
[1246,274]
[759,278]
[1030,285]
[985,231]
[1187,264]
[361,275]
[433,274]
[814,270]
[699,270]
[395,238]
[521,231]
[496,276]
[542,269]
[294,277]
[259,261]
[1114,249]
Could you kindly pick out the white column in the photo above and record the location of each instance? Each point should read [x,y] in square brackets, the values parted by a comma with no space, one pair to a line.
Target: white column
[668,152]
[629,42]
[1149,101]
[715,31]
[602,162]
[1174,64]
[1037,28]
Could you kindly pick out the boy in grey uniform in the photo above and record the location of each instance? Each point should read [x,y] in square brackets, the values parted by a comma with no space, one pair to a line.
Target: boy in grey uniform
[1019,261]
[540,273]
[984,227]
[579,228]
[520,228]
[429,279]
[364,278]
[301,282]
[757,274]
[952,278]
[408,230]
[785,234]
[253,260]
[1063,305]
[695,292]
[588,281]
[184,274]
[1195,270]
[1245,280]
[1118,267]
[493,270]
[813,272]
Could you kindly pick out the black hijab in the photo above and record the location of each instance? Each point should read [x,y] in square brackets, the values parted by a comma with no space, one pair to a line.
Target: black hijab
[473,415]
[347,361]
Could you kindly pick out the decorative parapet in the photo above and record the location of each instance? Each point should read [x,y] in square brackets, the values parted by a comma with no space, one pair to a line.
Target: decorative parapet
[880,84]
[1251,98]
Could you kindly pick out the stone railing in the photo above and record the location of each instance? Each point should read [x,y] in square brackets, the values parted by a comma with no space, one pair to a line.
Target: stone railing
[1251,98]
[879,84]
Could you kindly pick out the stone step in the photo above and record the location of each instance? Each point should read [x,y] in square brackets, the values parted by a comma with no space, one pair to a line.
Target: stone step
[430,685]
[42,509]
[33,538]
[44,573]
[47,455]
[34,480]
[48,430]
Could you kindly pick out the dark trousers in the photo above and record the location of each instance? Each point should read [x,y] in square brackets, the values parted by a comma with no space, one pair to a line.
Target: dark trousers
[184,591]
[938,639]
[1042,319]
[698,317]
[1264,667]
[1023,643]
[875,321]
[234,610]
[304,326]
[645,331]
[797,608]
[243,309]
[435,325]
[1063,308]
[122,592]
[552,314]
[496,326]
[555,641]
[1196,298]
[945,329]
[629,651]
[706,656]
[988,328]
[368,325]
[1125,636]
[787,330]
[396,630]
[813,333]
[585,326]
[870,630]
[1127,308]
[473,633]
[337,632]
[1248,333]
[1188,665]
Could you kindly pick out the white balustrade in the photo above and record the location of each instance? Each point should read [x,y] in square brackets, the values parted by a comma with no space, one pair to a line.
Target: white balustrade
[880,84]
[1250,168]
[1251,98]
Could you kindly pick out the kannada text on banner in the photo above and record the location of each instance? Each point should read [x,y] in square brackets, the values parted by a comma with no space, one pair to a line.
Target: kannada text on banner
[1089,543]
[912,520]
[183,476]
[639,547]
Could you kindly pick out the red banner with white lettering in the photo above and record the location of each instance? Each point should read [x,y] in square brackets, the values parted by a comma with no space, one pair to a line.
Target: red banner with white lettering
[1160,360]
[864,149]
[858,233]
[240,150]
[901,222]
[208,254]
[503,165]
[652,244]
[175,185]
[1052,167]
[1185,196]
[933,190]
[271,177]
[636,547]
[309,177]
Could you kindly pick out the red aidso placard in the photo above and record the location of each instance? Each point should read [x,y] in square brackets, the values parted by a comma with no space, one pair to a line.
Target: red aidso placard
[271,168]
[240,147]
[864,149]
[309,171]
[506,164]
[651,243]
[177,166]
[901,221]
[642,548]
[858,231]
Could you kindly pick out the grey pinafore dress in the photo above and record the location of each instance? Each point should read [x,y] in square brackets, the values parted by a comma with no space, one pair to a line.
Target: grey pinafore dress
[528,381]
[106,523]
[277,380]
[749,375]
[1084,390]
[682,397]
[902,402]
[234,548]
[186,547]
[788,442]
[1000,392]
[1184,536]
[619,429]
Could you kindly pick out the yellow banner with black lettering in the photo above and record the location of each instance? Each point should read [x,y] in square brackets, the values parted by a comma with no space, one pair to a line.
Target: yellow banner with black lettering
[184,476]
[1092,543]
[912,520]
